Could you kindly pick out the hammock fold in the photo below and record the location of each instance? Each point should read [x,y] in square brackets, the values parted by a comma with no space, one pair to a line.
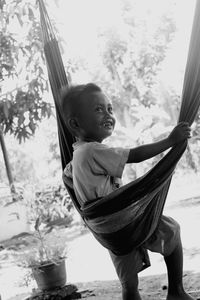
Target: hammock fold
[154,184]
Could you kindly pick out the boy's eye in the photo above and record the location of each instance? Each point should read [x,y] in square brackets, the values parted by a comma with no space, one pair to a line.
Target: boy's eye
[99,109]
[110,109]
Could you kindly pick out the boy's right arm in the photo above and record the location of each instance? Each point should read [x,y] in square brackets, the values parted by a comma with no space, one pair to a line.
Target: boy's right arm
[141,153]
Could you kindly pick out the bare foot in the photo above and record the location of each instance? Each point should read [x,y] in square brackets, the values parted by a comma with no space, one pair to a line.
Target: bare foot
[181,296]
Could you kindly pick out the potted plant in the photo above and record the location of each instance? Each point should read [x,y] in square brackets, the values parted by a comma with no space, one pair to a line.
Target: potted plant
[47,260]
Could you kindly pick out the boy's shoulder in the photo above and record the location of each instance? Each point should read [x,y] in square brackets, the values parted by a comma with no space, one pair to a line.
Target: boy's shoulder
[83,151]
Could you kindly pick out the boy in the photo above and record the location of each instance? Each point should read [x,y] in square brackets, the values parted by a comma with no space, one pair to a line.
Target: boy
[96,170]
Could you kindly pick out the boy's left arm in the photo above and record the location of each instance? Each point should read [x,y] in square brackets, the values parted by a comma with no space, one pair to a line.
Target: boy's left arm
[147,151]
[141,153]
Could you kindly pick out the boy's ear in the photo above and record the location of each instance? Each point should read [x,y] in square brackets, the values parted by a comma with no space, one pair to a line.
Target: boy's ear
[73,124]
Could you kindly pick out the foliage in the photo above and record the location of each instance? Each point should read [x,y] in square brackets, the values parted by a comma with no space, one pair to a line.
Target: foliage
[133,57]
[21,61]
[30,166]
[51,203]
[47,250]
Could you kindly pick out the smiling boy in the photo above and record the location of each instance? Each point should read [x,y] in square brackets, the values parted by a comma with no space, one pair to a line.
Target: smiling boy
[96,170]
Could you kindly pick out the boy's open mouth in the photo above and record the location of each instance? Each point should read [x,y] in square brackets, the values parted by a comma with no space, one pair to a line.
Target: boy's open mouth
[108,124]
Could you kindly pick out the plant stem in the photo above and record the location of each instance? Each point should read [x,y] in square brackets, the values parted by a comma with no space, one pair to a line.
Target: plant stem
[43,247]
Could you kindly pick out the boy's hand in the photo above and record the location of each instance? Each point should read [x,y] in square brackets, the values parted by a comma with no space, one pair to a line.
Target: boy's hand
[180,133]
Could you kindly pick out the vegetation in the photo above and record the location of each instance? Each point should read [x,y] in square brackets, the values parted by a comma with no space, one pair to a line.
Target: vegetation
[22,62]
[52,204]
[22,107]
[47,248]
[44,252]
[131,57]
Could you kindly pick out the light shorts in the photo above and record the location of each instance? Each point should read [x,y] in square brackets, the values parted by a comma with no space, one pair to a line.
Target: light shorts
[163,241]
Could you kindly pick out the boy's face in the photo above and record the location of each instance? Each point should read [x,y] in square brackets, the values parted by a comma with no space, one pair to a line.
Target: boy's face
[95,117]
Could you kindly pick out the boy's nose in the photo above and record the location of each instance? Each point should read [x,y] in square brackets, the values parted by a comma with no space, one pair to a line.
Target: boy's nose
[108,113]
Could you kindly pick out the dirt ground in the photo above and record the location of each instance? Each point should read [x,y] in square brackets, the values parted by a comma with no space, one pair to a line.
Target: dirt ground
[151,288]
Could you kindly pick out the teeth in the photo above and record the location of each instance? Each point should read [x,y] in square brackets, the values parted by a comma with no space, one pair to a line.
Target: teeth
[108,124]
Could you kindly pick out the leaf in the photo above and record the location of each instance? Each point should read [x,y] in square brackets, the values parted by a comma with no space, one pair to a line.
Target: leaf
[2,3]
[49,230]
[21,120]
[32,126]
[40,70]
[5,110]
[30,14]
[37,223]
[19,19]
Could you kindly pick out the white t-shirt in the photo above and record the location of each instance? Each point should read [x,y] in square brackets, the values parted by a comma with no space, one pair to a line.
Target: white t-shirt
[96,169]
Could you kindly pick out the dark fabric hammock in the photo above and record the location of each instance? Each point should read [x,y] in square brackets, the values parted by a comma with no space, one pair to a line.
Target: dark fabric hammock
[154,184]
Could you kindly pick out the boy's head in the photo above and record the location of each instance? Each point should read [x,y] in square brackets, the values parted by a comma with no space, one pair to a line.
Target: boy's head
[88,112]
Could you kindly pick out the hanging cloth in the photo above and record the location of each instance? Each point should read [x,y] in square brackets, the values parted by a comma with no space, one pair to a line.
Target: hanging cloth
[146,195]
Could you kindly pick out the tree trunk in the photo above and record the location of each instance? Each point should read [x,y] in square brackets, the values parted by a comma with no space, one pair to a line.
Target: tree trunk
[8,168]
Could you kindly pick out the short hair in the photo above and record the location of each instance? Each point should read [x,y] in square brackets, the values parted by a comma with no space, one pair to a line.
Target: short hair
[73,94]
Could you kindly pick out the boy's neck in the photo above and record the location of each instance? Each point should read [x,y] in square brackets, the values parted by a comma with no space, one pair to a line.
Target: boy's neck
[87,140]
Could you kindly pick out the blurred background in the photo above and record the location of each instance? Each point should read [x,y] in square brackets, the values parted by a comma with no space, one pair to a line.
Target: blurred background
[136,51]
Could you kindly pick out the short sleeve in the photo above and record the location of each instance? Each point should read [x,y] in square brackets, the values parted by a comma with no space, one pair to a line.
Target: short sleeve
[68,170]
[109,160]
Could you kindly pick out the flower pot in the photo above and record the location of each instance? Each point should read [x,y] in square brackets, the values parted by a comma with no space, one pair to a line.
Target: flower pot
[51,275]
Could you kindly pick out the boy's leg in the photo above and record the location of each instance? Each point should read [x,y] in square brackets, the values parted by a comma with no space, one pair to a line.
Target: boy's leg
[174,263]
[127,266]
[167,241]
[130,289]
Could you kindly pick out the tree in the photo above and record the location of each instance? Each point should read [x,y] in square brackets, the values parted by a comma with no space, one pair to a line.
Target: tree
[22,107]
[132,57]
[22,61]
[133,60]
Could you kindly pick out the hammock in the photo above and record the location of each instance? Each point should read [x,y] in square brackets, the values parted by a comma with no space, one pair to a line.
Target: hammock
[147,193]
